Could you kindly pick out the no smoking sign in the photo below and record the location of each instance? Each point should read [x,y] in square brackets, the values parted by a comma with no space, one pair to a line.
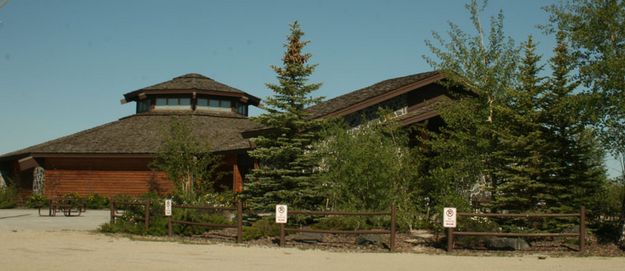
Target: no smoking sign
[281,213]
[449,217]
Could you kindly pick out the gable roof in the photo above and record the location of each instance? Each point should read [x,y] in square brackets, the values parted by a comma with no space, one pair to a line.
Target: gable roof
[143,134]
[359,99]
[192,82]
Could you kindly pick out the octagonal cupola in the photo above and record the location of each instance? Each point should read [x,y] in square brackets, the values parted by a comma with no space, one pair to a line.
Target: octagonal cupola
[191,92]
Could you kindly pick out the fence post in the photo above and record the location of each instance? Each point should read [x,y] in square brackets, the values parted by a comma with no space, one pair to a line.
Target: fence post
[170,230]
[450,239]
[239,221]
[393,227]
[146,219]
[282,234]
[582,229]
[112,207]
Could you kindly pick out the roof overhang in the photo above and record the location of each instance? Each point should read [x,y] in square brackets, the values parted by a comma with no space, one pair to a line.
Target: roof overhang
[383,97]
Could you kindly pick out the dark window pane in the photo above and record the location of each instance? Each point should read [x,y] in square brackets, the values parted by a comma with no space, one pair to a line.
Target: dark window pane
[185,101]
[172,101]
[213,103]
[161,101]
[202,102]
[225,104]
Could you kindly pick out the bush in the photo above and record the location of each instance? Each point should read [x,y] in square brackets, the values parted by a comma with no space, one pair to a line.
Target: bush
[475,224]
[37,201]
[132,220]
[73,200]
[8,198]
[95,201]
[264,227]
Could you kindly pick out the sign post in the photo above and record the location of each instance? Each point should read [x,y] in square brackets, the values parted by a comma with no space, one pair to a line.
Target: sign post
[449,222]
[281,218]
[170,230]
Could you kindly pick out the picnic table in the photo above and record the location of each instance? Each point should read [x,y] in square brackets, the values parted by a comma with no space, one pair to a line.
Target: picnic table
[67,207]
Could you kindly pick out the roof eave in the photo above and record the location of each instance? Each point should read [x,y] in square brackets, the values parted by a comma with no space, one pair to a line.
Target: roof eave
[383,97]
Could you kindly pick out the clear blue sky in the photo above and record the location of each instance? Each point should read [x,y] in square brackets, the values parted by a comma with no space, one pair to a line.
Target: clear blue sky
[64,65]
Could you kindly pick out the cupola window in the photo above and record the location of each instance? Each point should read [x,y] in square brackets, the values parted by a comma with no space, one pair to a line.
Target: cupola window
[173,103]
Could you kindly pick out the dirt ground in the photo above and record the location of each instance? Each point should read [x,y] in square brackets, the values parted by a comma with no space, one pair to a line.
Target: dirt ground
[26,243]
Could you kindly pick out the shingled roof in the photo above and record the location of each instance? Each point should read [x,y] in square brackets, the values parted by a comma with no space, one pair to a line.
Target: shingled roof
[192,82]
[144,133]
[355,97]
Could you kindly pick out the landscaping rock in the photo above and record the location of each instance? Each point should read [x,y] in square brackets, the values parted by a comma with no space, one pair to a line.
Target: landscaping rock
[498,243]
[307,237]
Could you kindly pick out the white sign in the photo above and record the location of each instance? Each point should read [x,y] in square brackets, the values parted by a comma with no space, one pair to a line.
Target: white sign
[167,207]
[449,217]
[281,213]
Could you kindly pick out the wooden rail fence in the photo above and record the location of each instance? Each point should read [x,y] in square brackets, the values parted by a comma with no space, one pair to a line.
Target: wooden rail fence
[239,214]
[392,213]
[581,234]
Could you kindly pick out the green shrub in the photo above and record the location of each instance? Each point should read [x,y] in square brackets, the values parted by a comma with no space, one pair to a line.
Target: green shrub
[72,199]
[265,227]
[475,224]
[132,220]
[37,201]
[199,216]
[8,198]
[95,201]
[342,223]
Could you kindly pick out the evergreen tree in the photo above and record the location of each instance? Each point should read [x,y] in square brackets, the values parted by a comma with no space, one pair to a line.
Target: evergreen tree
[576,161]
[283,152]
[522,140]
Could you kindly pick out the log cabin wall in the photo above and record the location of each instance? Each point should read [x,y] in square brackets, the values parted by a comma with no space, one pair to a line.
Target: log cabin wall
[104,176]
[105,182]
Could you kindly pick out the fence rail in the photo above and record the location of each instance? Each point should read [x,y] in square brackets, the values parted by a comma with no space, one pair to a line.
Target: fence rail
[581,234]
[392,213]
[239,214]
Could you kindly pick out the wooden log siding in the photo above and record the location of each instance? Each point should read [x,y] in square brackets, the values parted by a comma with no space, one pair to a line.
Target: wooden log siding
[104,182]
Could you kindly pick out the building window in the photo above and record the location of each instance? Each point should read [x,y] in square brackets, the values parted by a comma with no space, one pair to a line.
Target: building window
[202,102]
[213,103]
[242,109]
[143,106]
[172,103]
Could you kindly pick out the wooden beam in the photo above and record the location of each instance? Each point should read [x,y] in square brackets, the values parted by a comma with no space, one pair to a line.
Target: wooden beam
[27,163]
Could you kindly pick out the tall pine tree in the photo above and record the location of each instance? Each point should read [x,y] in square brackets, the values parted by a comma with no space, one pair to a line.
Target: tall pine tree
[283,153]
[522,139]
[576,161]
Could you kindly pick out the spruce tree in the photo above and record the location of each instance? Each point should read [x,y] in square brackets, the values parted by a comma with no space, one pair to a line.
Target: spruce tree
[283,152]
[522,139]
[576,161]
